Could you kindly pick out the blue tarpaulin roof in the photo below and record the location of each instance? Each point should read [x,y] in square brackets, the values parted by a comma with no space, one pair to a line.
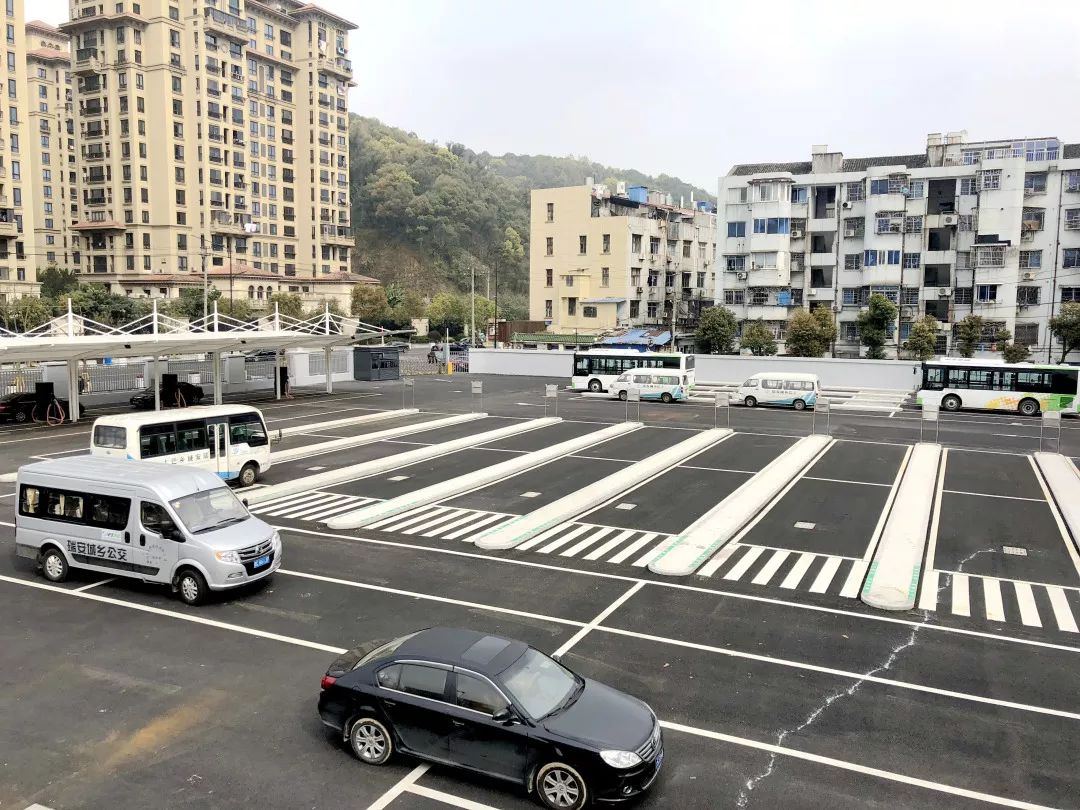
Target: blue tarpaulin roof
[638,338]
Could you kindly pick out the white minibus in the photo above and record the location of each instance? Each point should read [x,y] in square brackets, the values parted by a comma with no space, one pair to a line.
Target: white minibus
[230,441]
[779,388]
[652,384]
[175,525]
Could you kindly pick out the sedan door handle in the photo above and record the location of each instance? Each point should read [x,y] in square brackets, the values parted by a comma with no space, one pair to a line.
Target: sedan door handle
[390,702]
[458,723]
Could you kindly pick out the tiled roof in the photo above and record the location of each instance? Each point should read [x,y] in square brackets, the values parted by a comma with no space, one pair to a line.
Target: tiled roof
[1070,151]
[551,337]
[800,167]
[849,165]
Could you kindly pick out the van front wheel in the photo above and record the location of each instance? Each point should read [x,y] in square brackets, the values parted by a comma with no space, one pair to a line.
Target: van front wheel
[799,405]
[623,396]
[749,402]
[54,565]
[248,473]
[192,587]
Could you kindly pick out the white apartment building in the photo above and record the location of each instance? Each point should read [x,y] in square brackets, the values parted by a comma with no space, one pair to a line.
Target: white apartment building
[990,228]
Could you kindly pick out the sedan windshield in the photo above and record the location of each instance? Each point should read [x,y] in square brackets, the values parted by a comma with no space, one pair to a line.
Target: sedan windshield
[209,510]
[539,684]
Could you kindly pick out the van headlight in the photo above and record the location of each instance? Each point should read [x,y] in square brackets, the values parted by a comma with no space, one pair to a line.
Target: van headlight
[228,557]
[620,759]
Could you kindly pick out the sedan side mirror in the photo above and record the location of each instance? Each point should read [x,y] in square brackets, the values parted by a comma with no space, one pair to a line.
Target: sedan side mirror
[244,501]
[504,716]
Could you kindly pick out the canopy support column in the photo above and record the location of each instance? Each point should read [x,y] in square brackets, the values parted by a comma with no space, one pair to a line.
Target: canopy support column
[328,353]
[157,386]
[215,361]
[73,389]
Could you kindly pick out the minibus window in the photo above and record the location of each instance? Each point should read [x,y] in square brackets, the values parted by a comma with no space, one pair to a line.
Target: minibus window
[108,512]
[111,437]
[64,505]
[247,428]
[154,518]
[751,383]
[190,436]
[30,500]
[157,440]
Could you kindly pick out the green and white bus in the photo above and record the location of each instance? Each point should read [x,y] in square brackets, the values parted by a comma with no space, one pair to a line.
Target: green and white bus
[1025,388]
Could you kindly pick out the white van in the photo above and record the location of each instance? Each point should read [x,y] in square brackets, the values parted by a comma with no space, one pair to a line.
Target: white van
[653,384]
[779,388]
[174,525]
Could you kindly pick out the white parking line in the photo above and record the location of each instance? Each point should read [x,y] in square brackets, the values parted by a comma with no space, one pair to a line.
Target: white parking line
[399,788]
[87,587]
[447,798]
[988,495]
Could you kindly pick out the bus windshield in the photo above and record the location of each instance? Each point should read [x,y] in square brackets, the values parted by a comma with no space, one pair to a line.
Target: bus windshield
[208,510]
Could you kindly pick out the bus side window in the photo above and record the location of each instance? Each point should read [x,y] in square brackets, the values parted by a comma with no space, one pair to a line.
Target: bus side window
[190,436]
[247,428]
[157,440]
[934,380]
[958,378]
[581,365]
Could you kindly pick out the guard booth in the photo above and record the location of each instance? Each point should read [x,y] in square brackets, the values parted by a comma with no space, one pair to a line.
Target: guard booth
[376,363]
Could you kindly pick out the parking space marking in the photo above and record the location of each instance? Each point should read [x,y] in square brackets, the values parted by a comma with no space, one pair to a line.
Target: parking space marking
[997,594]
[399,788]
[854,580]
[766,573]
[600,618]
[928,596]
[447,798]
[988,495]
[1029,613]
[743,565]
[844,481]
[1060,605]
[879,527]
[314,506]
[105,581]
[995,610]
[961,599]
[825,576]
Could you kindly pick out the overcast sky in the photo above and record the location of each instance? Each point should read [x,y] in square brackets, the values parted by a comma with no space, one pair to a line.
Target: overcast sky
[691,88]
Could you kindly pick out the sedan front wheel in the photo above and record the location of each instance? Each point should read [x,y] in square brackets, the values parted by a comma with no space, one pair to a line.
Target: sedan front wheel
[371,741]
[560,787]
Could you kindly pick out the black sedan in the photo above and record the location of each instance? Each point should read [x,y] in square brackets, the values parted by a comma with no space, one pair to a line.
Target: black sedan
[23,407]
[497,707]
[188,395]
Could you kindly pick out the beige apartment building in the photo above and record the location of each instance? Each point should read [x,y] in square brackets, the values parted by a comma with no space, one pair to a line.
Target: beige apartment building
[602,259]
[210,133]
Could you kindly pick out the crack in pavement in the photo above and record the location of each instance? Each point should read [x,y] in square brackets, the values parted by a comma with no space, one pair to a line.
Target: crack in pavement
[751,783]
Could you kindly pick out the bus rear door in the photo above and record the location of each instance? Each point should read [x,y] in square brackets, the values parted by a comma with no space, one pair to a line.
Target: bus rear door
[218,432]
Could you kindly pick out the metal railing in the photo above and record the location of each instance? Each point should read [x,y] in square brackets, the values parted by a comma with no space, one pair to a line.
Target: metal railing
[100,379]
[259,370]
[14,380]
[339,363]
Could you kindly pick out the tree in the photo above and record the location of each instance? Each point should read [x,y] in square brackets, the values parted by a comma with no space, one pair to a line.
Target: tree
[874,325]
[969,332]
[448,311]
[758,338]
[57,282]
[1015,352]
[368,303]
[189,304]
[716,331]
[922,342]
[809,334]
[513,251]
[94,301]
[24,314]
[1066,328]
[237,309]
[288,304]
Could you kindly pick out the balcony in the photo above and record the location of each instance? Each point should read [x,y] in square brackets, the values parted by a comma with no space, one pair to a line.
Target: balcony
[92,156]
[99,221]
[8,226]
[95,178]
[92,108]
[95,199]
[227,24]
[336,235]
[226,223]
[338,66]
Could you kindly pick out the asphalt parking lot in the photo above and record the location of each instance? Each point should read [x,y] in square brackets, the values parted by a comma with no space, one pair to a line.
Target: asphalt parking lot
[776,685]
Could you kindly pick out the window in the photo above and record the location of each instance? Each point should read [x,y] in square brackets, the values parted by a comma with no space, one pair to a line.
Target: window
[549,277]
[913,224]
[548,309]
[651,309]
[738,195]
[1070,294]
[990,256]
[654,246]
[969,185]
[111,437]
[892,257]
[852,261]
[986,293]
[1035,183]
[568,280]
[635,277]
[909,295]
[606,243]
[737,264]
[477,694]
[154,517]
[772,225]
[849,332]
[605,276]
[247,428]
[849,296]
[1026,334]
[880,186]
[870,257]
[635,309]
[1030,259]
[799,194]
[1070,257]
[157,440]
[588,312]
[416,679]
[989,179]
[550,245]
[1028,295]
[766,192]
[571,306]
[962,295]
[191,436]
[686,247]
[583,242]
[736,229]
[1032,219]
[763,261]
[912,260]
[734,296]
[855,192]
[1072,219]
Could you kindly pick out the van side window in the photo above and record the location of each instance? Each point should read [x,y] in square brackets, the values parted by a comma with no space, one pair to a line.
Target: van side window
[108,512]
[30,501]
[751,383]
[157,440]
[247,428]
[190,436]
[111,437]
[154,517]
[64,505]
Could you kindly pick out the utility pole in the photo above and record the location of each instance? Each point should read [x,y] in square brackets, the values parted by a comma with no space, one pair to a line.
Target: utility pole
[496,338]
[472,304]
[228,245]
[205,286]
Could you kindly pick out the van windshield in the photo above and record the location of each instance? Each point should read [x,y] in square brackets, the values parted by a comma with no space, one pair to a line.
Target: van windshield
[209,510]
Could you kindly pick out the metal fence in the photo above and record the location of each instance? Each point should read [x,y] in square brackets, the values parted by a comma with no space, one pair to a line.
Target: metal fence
[259,370]
[339,363]
[101,379]
[203,370]
[13,380]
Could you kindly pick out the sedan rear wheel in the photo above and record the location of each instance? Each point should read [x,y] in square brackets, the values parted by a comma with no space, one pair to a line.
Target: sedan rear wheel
[560,787]
[371,741]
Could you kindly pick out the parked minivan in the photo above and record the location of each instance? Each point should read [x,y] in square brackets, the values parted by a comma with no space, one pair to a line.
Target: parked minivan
[653,383]
[779,388]
[179,526]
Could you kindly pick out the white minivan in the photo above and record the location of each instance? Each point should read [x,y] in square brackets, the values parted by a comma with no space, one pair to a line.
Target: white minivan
[652,384]
[175,525]
[779,388]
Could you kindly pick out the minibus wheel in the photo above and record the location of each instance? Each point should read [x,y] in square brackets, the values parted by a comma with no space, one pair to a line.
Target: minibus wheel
[799,405]
[192,587]
[665,398]
[749,402]
[248,473]
[54,565]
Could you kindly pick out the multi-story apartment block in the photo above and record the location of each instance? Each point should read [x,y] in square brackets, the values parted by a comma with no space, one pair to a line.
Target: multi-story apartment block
[50,158]
[211,131]
[603,258]
[990,228]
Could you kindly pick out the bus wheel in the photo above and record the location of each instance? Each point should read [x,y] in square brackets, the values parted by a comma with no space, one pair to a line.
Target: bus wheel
[623,396]
[799,405]
[53,565]
[248,473]
[951,403]
[749,402]
[1029,407]
[665,398]
[596,386]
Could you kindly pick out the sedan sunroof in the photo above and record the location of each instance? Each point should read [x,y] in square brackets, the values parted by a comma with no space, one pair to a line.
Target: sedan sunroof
[485,649]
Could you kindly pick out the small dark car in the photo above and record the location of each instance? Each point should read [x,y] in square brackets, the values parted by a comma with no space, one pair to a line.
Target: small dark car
[497,707]
[20,407]
[191,394]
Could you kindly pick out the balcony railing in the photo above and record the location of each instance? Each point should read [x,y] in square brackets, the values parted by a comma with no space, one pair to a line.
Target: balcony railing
[85,54]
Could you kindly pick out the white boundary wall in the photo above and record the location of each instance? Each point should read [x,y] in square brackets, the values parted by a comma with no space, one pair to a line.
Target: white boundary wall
[838,373]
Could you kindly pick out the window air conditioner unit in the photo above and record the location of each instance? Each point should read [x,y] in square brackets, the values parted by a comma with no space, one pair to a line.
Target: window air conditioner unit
[846,204]
[796,234]
[640,290]
[811,293]
[741,276]
[949,220]
[1029,276]
[944,292]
